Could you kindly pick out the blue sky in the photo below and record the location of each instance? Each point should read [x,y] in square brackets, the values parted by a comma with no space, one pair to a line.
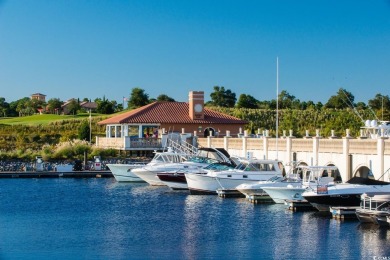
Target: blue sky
[94,48]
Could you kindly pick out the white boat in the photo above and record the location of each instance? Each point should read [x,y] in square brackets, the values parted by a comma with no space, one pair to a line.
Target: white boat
[122,172]
[343,194]
[203,158]
[255,189]
[247,171]
[312,176]
[373,130]
[176,180]
[374,208]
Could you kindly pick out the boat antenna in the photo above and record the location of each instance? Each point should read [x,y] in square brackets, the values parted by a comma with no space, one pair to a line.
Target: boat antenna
[277,105]
[351,105]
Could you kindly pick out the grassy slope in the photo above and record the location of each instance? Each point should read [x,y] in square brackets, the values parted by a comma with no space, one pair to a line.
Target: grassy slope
[41,119]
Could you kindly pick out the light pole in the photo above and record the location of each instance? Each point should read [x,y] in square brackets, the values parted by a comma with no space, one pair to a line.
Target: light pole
[90,125]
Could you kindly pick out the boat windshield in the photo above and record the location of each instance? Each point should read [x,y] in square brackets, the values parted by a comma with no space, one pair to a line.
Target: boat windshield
[219,167]
[255,166]
[212,154]
[168,158]
[276,178]
[201,159]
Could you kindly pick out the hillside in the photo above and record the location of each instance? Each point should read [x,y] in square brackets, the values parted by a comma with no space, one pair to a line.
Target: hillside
[43,120]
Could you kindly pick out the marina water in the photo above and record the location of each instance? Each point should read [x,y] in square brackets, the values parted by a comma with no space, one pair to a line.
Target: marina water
[101,219]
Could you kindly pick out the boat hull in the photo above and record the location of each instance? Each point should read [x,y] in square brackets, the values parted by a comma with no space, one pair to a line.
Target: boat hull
[341,195]
[176,181]
[123,172]
[281,194]
[148,176]
[206,184]
[364,216]
[380,218]
[323,203]
[250,190]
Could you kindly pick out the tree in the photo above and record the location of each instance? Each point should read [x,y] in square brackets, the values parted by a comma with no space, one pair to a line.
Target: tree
[319,106]
[285,100]
[36,104]
[54,104]
[119,107]
[4,107]
[73,106]
[20,106]
[84,131]
[138,98]
[381,104]
[343,99]
[105,107]
[361,105]
[246,101]
[265,104]
[223,98]
[379,101]
[164,97]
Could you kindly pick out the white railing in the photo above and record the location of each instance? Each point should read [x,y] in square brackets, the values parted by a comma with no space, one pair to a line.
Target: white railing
[182,147]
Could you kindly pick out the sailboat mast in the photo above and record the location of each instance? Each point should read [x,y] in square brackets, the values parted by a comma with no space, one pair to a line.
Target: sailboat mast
[277,105]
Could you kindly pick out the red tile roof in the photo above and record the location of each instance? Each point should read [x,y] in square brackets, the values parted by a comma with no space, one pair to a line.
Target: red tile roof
[170,113]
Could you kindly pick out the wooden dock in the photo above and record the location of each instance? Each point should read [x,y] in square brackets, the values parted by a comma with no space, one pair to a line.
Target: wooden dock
[227,193]
[299,205]
[260,199]
[342,213]
[52,174]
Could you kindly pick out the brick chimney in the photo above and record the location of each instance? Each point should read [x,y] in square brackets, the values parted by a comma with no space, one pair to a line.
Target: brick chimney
[196,105]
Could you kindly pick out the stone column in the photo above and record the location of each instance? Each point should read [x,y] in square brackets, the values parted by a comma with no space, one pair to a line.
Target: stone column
[209,141]
[226,140]
[307,134]
[244,145]
[289,150]
[380,165]
[265,145]
[345,167]
[316,146]
[195,139]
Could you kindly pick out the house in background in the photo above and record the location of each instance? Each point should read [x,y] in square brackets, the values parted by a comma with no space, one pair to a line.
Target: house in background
[39,96]
[148,124]
[86,105]
[89,106]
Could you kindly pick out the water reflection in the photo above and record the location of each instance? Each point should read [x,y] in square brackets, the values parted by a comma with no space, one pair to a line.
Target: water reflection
[108,220]
[375,238]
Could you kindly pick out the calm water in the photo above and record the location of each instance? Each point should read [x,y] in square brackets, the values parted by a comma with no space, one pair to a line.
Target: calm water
[102,219]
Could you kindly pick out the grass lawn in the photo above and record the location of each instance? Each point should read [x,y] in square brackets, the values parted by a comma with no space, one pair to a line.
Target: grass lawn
[42,119]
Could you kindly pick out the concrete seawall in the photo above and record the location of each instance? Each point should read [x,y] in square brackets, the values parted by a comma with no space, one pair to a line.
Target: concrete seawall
[353,157]
[51,174]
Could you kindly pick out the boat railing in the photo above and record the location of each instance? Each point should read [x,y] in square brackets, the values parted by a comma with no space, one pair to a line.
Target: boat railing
[371,203]
[388,175]
[182,147]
